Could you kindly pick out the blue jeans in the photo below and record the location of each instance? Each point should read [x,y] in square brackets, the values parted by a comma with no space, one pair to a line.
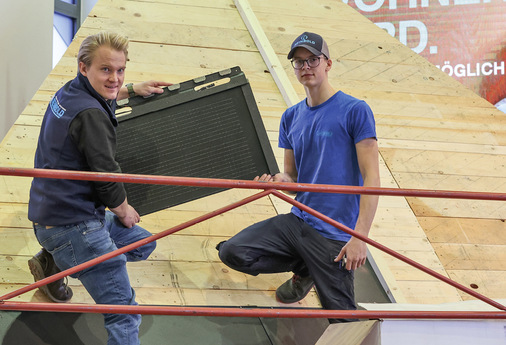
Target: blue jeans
[107,282]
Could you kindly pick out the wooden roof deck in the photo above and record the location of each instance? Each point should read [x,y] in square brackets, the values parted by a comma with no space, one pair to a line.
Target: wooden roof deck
[433,134]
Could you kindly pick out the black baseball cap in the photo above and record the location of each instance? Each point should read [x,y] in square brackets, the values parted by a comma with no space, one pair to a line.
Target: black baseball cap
[312,42]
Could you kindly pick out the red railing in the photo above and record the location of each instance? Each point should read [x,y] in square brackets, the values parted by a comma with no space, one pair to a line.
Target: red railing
[250,312]
[270,188]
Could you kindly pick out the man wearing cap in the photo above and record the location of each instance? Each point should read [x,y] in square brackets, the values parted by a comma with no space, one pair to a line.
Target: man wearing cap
[328,138]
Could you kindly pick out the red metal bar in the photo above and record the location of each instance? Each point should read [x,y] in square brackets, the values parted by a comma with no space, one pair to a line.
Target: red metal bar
[249,312]
[388,250]
[224,183]
[132,246]
[199,182]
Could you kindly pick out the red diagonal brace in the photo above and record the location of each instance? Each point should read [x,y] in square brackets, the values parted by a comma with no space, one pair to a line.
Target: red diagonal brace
[388,250]
[132,246]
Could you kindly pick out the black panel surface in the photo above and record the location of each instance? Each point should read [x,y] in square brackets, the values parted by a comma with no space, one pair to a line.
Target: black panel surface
[208,127]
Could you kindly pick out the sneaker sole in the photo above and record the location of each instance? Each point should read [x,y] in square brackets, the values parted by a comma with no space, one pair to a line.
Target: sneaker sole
[289,301]
[38,274]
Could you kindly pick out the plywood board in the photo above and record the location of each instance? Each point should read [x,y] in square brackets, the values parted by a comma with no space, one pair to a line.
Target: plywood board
[433,134]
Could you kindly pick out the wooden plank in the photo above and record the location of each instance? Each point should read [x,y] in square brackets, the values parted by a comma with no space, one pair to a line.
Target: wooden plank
[268,54]
[29,120]
[458,208]
[21,137]
[429,292]
[193,3]
[351,333]
[16,157]
[17,242]
[14,189]
[137,13]
[464,230]
[444,162]
[172,296]
[474,120]
[406,272]
[14,216]
[321,9]
[176,276]
[161,273]
[484,257]
[440,114]
[447,98]
[361,88]
[426,138]
[294,24]
[454,146]
[175,247]
[385,275]
[273,64]
[440,180]
[488,283]
[172,33]
[407,244]
[227,225]
[481,182]
[394,223]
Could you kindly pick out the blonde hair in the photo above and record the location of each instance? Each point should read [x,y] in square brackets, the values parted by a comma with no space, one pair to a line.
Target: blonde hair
[93,42]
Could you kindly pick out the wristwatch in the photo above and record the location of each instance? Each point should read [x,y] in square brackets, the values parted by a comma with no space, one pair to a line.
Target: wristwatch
[130,88]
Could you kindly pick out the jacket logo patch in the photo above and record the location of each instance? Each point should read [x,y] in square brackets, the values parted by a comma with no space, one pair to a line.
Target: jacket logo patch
[56,107]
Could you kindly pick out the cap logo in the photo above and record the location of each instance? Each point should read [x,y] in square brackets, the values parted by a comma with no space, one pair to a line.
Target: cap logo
[303,39]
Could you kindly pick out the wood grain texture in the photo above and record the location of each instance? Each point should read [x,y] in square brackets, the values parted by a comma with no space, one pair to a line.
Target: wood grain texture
[433,133]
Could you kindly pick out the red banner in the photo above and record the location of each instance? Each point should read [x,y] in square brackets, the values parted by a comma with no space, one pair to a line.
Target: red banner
[464,38]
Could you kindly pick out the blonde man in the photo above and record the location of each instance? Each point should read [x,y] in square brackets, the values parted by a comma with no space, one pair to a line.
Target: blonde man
[70,217]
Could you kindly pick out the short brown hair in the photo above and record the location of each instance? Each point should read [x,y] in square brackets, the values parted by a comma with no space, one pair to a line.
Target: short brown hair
[93,42]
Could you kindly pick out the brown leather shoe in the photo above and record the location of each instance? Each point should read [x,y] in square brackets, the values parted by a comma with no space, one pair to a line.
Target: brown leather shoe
[42,266]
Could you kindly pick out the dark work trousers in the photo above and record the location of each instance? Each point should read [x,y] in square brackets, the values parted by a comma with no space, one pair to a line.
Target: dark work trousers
[286,243]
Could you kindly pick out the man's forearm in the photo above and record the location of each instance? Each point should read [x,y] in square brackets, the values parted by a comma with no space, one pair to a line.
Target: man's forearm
[368,207]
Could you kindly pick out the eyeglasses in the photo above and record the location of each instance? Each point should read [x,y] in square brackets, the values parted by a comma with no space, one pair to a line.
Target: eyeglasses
[311,62]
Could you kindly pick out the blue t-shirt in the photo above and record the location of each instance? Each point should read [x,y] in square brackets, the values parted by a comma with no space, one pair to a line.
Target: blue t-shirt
[323,141]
